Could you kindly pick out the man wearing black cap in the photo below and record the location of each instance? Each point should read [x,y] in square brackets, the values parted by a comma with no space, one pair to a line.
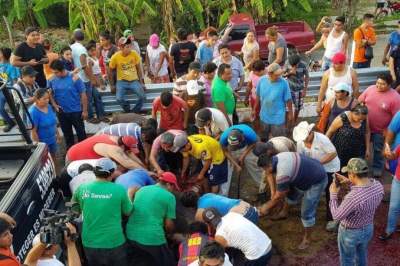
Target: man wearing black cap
[211,122]
[7,257]
[238,141]
[234,231]
[31,53]
[103,203]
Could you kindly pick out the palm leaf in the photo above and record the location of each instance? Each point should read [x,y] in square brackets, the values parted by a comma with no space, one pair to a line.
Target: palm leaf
[223,19]
[18,9]
[150,8]
[305,4]
[41,19]
[137,9]
[43,4]
[197,8]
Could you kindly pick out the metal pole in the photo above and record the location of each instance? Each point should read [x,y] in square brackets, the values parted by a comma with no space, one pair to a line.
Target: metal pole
[10,100]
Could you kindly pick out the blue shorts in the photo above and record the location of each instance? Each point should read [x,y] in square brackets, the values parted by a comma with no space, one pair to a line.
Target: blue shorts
[252,215]
[218,173]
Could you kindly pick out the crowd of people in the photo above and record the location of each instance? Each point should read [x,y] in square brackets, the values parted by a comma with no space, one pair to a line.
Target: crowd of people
[156,191]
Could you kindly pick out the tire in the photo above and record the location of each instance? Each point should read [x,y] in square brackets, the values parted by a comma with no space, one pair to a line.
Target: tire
[382,14]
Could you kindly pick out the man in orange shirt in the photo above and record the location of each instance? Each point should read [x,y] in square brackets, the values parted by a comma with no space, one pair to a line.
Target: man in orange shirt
[7,257]
[364,36]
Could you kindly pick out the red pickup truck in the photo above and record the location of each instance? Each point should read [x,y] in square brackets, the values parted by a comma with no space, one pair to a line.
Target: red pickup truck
[298,34]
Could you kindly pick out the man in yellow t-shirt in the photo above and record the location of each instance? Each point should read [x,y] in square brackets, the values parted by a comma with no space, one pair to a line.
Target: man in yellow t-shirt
[210,152]
[126,63]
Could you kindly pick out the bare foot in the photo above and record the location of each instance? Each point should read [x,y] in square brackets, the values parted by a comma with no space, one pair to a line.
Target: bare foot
[304,244]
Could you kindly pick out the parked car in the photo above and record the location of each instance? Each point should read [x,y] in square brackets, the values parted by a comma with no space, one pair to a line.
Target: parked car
[298,34]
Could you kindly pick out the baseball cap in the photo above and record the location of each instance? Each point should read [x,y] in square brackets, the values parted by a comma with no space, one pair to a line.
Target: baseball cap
[275,69]
[105,165]
[131,143]
[356,166]
[154,40]
[262,147]
[202,117]
[127,33]
[123,41]
[28,71]
[195,66]
[235,138]
[167,138]
[302,130]
[212,216]
[180,141]
[339,58]
[169,178]
[342,86]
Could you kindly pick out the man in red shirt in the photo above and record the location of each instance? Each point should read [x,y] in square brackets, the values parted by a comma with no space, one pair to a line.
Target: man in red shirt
[7,257]
[173,111]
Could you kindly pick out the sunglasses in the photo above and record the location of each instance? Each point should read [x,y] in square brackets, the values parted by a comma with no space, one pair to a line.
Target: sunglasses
[341,91]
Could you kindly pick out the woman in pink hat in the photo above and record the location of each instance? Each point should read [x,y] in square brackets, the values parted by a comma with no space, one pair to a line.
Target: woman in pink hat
[157,60]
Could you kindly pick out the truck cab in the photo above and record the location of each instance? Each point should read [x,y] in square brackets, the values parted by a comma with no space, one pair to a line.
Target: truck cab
[27,181]
[298,34]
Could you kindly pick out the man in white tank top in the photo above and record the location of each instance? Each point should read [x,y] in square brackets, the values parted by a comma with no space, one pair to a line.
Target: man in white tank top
[338,73]
[337,41]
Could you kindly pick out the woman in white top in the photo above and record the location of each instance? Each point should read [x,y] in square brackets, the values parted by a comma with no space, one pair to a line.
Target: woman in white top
[250,50]
[337,41]
[93,61]
[319,147]
[338,73]
[157,60]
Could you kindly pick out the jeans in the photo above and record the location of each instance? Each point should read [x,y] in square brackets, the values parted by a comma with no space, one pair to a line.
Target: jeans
[69,120]
[94,99]
[135,87]
[394,206]
[3,112]
[310,201]
[107,256]
[353,245]
[378,163]
[366,64]
[273,130]
[328,197]
[326,63]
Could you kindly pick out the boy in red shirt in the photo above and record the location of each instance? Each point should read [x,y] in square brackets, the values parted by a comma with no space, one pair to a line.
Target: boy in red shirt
[173,111]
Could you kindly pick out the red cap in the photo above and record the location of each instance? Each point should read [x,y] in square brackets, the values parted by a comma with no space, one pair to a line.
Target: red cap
[169,178]
[339,58]
[131,143]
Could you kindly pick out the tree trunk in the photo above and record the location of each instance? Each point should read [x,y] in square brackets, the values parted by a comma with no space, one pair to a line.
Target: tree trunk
[168,18]
[234,7]
[10,37]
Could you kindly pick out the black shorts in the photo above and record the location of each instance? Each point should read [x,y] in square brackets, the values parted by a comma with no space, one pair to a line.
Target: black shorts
[107,256]
[380,5]
[218,173]
[144,255]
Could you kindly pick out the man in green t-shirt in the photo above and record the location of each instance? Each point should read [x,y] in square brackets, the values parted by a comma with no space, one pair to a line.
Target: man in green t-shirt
[103,203]
[153,210]
[221,92]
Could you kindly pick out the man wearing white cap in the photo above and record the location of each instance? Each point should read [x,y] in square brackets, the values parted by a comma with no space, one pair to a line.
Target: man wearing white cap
[273,98]
[319,147]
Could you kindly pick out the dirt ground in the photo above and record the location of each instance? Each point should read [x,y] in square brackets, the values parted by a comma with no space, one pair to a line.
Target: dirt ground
[286,234]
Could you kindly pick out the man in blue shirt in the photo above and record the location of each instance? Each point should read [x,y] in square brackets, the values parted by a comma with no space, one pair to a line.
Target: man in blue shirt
[392,140]
[273,96]
[191,199]
[393,42]
[238,141]
[205,53]
[69,99]
[135,179]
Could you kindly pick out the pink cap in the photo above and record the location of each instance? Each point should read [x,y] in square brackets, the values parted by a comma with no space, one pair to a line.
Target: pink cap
[339,58]
[154,40]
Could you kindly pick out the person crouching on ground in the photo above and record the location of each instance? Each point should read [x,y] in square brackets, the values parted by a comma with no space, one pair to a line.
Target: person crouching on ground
[293,176]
